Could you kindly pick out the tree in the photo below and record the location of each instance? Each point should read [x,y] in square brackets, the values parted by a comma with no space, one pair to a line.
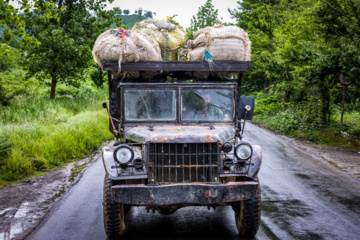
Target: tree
[126,11]
[148,14]
[66,40]
[140,11]
[14,27]
[338,22]
[289,58]
[119,12]
[206,16]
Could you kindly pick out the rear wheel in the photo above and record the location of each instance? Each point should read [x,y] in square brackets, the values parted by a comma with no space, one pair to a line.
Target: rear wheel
[114,213]
[247,215]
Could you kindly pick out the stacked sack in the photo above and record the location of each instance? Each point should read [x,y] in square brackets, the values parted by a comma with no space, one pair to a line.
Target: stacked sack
[123,46]
[168,35]
[225,43]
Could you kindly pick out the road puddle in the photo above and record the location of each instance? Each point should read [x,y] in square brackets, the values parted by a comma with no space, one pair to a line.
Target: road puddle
[19,220]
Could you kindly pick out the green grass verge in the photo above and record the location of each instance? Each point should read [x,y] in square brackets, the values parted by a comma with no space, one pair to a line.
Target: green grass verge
[40,134]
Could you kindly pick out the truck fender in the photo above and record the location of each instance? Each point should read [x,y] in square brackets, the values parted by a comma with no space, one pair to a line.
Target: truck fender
[255,162]
[108,161]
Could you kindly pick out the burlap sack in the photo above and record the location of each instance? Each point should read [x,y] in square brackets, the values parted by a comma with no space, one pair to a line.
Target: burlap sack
[133,48]
[136,47]
[106,47]
[227,43]
[168,37]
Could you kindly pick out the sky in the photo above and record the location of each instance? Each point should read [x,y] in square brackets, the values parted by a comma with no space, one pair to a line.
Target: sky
[184,8]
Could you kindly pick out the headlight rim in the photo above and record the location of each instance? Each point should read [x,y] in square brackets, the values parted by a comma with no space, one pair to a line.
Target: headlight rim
[237,146]
[229,146]
[131,157]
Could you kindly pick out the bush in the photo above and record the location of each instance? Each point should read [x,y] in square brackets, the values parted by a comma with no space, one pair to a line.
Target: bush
[302,119]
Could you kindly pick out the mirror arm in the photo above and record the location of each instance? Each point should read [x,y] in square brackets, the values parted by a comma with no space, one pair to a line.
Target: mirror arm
[242,130]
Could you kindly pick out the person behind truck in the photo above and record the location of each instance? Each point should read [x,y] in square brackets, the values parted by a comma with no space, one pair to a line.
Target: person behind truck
[209,111]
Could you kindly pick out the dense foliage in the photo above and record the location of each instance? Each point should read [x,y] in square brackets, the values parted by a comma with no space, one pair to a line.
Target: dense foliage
[12,26]
[66,39]
[299,48]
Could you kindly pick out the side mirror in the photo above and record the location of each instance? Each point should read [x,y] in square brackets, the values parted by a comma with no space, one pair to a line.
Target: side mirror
[246,108]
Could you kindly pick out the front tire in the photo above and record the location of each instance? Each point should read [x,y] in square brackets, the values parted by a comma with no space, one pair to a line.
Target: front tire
[114,213]
[247,215]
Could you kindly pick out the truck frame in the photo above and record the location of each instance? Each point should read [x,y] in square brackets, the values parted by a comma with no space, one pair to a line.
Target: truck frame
[179,142]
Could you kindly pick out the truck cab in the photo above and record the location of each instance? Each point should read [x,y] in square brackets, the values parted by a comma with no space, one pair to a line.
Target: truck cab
[179,142]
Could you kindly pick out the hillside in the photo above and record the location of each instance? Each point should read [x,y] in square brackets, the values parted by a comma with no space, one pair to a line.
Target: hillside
[130,20]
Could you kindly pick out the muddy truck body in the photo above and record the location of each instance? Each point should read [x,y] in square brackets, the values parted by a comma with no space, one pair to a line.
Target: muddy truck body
[179,142]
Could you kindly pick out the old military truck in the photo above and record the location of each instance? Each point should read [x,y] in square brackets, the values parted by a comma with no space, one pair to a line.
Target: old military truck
[179,142]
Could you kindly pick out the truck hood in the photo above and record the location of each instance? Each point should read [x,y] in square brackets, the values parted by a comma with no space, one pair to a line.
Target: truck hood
[180,134]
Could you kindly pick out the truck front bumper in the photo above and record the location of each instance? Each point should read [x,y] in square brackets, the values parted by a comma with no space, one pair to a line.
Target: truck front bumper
[181,193]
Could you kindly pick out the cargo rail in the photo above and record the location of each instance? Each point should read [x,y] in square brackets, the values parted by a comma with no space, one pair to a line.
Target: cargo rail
[179,66]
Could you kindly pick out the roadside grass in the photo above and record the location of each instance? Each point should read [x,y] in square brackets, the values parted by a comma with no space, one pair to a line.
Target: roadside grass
[38,135]
[302,120]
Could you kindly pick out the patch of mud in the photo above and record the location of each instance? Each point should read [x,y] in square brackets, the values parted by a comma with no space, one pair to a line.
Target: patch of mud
[25,205]
[345,160]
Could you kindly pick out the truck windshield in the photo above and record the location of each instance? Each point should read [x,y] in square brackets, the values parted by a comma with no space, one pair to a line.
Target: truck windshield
[207,104]
[150,105]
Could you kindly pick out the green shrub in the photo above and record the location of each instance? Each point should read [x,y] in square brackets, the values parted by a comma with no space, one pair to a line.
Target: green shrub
[302,119]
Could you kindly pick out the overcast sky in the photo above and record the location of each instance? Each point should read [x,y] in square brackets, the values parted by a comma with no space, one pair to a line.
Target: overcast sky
[184,8]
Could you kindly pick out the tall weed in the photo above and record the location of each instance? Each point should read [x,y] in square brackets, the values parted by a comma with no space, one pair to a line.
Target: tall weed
[41,146]
[37,134]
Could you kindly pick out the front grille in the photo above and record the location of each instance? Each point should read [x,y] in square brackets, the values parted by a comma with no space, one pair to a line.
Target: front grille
[183,162]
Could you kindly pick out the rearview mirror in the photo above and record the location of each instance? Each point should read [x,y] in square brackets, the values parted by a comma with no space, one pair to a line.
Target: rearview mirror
[246,108]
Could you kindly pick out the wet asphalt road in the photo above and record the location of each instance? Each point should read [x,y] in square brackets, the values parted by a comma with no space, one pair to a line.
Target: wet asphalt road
[302,198]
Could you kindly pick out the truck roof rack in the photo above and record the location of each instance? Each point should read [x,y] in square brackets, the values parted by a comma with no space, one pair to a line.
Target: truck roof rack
[179,66]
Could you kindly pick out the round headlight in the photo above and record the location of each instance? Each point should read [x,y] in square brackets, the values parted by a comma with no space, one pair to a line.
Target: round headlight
[227,147]
[123,155]
[243,151]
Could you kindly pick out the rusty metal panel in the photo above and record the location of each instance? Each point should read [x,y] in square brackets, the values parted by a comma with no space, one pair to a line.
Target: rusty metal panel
[180,133]
[198,193]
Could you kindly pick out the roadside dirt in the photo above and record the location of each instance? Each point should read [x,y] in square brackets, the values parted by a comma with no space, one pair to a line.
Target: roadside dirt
[345,160]
[22,207]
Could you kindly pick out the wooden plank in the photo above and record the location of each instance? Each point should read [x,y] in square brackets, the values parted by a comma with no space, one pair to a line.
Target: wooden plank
[181,66]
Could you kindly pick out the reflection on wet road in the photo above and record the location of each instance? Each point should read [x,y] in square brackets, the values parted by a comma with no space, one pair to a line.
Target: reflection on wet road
[303,198]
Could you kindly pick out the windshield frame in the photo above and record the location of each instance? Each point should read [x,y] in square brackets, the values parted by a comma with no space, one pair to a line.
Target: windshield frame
[177,87]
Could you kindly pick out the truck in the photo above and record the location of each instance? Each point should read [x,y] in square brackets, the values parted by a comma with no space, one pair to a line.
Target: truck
[179,142]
